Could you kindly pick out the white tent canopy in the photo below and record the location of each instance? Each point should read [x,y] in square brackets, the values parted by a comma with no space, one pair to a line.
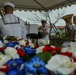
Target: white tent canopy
[39,4]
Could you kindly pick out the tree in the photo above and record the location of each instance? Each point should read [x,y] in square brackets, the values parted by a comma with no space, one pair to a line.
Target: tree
[46,15]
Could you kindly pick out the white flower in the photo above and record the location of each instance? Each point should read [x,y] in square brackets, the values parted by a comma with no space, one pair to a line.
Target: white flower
[41,42]
[65,49]
[14,56]
[4,37]
[40,49]
[73,46]
[66,44]
[74,54]
[12,52]
[29,40]
[47,42]
[53,46]
[1,44]
[31,45]
[5,41]
[2,73]
[71,49]
[61,63]
[3,59]
[24,38]
[22,42]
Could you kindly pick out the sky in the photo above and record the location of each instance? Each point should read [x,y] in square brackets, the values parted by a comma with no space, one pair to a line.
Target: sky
[30,16]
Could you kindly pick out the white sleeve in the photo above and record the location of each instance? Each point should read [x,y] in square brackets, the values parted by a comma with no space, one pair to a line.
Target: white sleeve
[24,31]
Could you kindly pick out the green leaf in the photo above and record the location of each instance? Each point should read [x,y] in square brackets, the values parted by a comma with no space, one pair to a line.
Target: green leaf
[45,56]
[26,57]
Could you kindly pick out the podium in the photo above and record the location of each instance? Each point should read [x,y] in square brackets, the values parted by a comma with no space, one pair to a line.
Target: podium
[32,36]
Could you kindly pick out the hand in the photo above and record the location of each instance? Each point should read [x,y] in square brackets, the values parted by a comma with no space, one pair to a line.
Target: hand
[41,27]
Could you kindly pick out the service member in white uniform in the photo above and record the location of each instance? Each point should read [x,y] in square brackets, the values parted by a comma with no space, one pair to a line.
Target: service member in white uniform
[11,25]
[44,30]
[73,27]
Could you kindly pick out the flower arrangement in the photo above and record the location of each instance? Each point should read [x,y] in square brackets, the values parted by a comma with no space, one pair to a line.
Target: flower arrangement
[24,57]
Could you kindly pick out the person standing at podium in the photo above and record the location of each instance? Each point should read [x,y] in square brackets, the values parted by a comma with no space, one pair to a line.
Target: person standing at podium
[43,30]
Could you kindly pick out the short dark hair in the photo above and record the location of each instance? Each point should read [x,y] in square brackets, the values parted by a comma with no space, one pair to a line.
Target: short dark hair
[8,7]
[43,21]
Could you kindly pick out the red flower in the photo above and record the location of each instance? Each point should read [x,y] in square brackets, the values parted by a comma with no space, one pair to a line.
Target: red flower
[74,72]
[2,48]
[69,54]
[27,43]
[57,48]
[51,49]
[20,52]
[48,49]
[74,59]
[4,69]
[36,46]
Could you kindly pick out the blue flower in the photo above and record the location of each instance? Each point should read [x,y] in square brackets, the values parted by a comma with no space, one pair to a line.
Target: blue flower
[29,50]
[15,63]
[12,44]
[12,72]
[16,72]
[36,65]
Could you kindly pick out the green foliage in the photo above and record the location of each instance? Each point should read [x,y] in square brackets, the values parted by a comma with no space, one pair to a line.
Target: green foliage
[27,57]
[11,38]
[63,35]
[58,40]
[1,37]
[45,56]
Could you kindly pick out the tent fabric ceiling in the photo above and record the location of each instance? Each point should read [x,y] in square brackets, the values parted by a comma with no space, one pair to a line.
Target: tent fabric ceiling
[39,4]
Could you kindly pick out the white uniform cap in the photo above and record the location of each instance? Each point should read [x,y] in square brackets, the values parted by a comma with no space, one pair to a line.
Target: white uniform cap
[9,3]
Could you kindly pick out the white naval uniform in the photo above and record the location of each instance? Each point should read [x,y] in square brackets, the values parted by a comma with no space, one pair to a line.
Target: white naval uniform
[47,30]
[73,28]
[11,25]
